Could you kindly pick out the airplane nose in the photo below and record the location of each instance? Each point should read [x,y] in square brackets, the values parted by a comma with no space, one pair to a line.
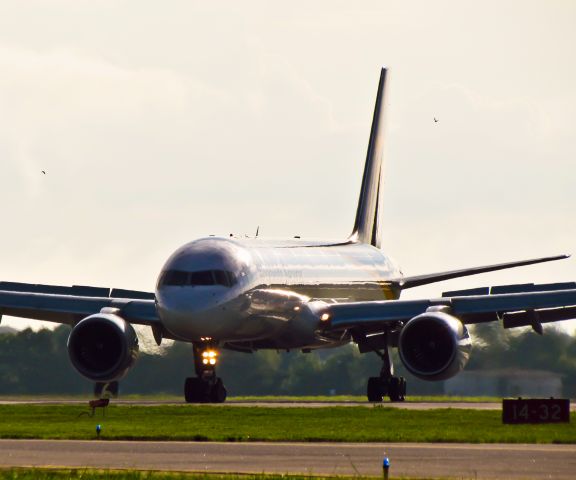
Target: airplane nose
[191,313]
[199,289]
[185,304]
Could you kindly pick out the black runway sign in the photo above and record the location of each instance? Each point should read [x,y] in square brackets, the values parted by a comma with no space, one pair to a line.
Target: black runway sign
[536,410]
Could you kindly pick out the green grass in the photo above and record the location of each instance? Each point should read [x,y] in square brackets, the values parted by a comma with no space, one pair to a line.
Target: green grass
[90,474]
[229,423]
[163,397]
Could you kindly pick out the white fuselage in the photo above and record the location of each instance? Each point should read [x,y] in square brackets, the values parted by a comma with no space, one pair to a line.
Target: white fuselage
[255,293]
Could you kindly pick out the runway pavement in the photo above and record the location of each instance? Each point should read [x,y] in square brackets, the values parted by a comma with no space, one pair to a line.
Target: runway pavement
[463,461]
[276,404]
[460,461]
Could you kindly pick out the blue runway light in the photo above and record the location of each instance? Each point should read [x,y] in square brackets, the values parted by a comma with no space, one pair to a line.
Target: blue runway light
[98,429]
[385,467]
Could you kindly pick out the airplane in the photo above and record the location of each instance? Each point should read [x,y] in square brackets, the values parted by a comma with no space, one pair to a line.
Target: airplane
[247,294]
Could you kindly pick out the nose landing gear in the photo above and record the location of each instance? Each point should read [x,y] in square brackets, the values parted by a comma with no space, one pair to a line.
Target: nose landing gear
[206,387]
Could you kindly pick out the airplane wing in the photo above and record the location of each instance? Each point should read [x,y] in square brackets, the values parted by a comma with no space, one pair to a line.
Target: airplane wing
[418,280]
[71,304]
[515,305]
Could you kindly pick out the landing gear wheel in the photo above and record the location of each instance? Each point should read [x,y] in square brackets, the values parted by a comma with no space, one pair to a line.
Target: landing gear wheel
[375,389]
[393,387]
[394,390]
[196,390]
[189,391]
[218,392]
[397,389]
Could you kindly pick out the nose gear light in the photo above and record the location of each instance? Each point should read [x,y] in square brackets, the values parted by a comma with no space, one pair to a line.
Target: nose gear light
[209,357]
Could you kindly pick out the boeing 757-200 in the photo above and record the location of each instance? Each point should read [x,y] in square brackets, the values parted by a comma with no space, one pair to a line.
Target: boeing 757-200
[249,294]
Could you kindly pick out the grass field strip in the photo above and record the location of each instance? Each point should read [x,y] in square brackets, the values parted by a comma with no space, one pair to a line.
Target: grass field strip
[245,424]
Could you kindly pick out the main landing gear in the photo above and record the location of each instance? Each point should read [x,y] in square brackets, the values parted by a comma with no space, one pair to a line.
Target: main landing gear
[205,387]
[386,384]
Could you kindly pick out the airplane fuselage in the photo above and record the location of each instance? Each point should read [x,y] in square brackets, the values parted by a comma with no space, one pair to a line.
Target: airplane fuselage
[250,292]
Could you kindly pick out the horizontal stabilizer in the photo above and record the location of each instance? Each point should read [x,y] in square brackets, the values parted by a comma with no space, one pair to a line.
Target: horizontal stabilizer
[419,280]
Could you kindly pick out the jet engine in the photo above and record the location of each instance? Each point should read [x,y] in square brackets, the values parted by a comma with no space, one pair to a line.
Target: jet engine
[103,347]
[434,345]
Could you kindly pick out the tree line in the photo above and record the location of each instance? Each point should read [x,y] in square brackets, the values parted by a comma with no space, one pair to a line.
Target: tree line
[37,363]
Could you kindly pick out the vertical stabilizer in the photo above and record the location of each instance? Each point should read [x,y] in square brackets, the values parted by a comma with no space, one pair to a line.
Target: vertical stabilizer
[367,224]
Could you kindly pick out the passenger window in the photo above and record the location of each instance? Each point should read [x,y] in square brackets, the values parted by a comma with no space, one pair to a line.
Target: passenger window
[201,278]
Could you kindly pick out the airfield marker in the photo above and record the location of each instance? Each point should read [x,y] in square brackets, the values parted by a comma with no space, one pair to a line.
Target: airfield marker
[385,467]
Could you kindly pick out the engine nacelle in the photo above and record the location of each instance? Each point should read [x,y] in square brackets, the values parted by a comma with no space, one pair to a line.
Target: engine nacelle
[103,347]
[434,345]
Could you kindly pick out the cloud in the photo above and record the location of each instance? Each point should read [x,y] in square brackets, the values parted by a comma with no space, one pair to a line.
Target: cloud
[51,103]
[482,149]
[48,85]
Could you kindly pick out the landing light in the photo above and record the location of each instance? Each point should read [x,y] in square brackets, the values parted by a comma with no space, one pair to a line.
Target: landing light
[209,357]
[325,317]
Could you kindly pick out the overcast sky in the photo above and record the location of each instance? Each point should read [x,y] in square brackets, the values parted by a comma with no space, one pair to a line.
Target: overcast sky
[160,122]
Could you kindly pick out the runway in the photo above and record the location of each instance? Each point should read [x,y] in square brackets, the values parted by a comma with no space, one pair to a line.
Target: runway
[463,461]
[274,404]
[270,404]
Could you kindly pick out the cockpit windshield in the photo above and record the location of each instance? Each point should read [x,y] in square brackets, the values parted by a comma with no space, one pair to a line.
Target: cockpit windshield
[203,277]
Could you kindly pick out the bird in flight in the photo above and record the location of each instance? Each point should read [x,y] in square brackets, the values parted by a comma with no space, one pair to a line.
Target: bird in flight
[43,172]
[435,120]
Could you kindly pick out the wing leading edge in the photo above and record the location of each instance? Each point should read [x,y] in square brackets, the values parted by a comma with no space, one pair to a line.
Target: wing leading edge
[528,308]
[70,304]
